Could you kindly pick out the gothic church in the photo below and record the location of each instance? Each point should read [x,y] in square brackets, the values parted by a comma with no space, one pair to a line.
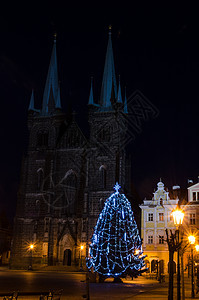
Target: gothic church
[66,177]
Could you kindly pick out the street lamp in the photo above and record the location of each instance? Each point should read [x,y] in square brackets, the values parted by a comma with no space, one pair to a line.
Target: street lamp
[31,247]
[81,249]
[178,216]
[192,240]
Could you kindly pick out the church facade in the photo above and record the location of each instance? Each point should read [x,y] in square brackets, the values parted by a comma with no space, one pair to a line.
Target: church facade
[66,177]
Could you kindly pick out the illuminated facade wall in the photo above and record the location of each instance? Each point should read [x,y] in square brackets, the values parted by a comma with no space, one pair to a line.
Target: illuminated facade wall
[155,218]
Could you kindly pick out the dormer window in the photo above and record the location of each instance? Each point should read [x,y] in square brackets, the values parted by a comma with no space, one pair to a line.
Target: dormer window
[195,196]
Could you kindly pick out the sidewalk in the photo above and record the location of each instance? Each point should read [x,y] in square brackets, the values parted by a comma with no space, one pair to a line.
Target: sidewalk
[161,291]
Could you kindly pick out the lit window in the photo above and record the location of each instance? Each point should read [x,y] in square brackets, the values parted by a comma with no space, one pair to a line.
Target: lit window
[161,239]
[150,217]
[161,216]
[192,219]
[150,239]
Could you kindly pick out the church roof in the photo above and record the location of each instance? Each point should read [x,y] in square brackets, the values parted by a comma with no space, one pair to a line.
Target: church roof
[109,78]
[51,91]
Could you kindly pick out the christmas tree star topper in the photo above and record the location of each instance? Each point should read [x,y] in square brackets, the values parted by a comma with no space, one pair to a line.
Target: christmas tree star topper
[117,187]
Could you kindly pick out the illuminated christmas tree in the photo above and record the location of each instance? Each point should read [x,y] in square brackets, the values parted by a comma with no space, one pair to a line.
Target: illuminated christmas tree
[116,247]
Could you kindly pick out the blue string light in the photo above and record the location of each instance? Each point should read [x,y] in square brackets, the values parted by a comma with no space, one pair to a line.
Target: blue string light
[116,239]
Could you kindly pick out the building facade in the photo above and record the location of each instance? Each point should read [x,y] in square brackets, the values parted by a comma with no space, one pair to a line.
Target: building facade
[190,224]
[155,218]
[66,177]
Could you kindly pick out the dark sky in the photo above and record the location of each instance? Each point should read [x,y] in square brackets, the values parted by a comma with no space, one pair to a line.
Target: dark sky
[156,51]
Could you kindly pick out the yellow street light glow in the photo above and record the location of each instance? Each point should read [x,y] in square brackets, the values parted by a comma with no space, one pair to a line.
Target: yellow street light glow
[178,216]
[81,247]
[191,239]
[31,246]
[137,251]
[197,247]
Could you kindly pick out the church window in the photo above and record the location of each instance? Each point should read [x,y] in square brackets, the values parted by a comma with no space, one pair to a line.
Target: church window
[42,139]
[46,225]
[101,204]
[104,134]
[150,217]
[192,219]
[150,239]
[161,239]
[35,226]
[40,177]
[102,177]
[69,183]
[161,217]
[161,202]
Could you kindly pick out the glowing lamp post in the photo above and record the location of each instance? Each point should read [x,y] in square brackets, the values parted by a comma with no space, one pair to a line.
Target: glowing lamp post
[192,241]
[31,247]
[81,249]
[178,216]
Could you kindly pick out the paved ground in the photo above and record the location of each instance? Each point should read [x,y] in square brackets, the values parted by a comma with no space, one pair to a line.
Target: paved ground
[74,286]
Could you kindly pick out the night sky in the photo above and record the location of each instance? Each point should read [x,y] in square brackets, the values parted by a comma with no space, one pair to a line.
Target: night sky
[156,51]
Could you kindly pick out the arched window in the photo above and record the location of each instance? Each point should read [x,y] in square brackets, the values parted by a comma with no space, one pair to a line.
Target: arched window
[101,204]
[102,171]
[37,207]
[40,178]
[42,139]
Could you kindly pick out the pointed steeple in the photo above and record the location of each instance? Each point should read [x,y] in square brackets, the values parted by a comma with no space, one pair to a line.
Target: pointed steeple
[52,87]
[58,102]
[32,104]
[119,94]
[109,79]
[91,101]
[125,103]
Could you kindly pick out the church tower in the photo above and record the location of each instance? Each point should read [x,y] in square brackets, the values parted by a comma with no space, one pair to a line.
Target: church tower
[66,178]
[107,156]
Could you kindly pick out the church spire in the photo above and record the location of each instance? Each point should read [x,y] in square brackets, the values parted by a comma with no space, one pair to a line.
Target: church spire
[125,103]
[32,104]
[119,94]
[51,91]
[58,102]
[91,101]
[109,79]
